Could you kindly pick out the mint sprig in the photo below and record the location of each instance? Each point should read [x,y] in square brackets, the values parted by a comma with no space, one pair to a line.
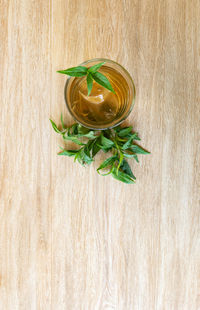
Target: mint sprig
[91,74]
[118,142]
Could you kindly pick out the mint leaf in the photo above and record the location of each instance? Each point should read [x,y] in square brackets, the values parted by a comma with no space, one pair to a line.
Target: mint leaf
[125,131]
[117,128]
[75,71]
[120,161]
[119,140]
[62,122]
[95,68]
[108,162]
[128,144]
[85,156]
[55,127]
[95,146]
[82,130]
[122,176]
[127,169]
[73,130]
[102,80]
[106,143]
[131,155]
[89,135]
[68,152]
[85,132]
[68,136]
[139,150]
[91,73]
[135,136]
[89,83]
[136,158]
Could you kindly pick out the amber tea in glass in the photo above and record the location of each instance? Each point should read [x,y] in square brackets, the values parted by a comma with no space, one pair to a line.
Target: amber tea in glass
[102,108]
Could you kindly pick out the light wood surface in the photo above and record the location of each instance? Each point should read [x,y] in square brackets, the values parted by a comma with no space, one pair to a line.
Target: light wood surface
[69,238]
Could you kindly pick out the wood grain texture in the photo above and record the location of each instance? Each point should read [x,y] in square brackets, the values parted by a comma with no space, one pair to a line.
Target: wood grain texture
[69,238]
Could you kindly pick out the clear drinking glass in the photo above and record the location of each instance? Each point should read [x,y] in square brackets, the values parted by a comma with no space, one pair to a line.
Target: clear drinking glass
[102,109]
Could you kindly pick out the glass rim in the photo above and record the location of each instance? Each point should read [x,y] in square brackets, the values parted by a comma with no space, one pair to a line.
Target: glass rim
[131,106]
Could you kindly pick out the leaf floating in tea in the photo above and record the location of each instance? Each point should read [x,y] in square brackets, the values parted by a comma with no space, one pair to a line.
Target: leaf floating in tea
[91,73]
[102,80]
[75,71]
[95,68]
[89,83]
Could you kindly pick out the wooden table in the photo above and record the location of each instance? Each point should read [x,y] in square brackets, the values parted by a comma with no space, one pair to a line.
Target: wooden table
[69,238]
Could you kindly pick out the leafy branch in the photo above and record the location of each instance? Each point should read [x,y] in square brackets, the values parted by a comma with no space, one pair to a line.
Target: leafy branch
[120,141]
[91,74]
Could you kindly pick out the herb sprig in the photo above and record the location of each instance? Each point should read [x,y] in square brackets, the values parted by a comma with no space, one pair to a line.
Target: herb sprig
[91,74]
[119,142]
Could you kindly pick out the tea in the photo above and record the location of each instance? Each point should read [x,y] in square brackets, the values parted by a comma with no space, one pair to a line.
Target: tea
[102,108]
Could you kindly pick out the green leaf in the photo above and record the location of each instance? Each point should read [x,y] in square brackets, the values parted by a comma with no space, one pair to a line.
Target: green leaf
[131,155]
[107,133]
[127,169]
[77,157]
[72,138]
[136,158]
[69,152]
[95,68]
[89,135]
[90,144]
[55,127]
[120,161]
[122,176]
[108,162]
[62,122]
[77,131]
[119,140]
[89,83]
[75,71]
[82,157]
[117,128]
[106,143]
[95,147]
[138,149]
[125,131]
[128,144]
[135,137]
[102,80]
[82,130]
[73,130]
[85,156]
[85,132]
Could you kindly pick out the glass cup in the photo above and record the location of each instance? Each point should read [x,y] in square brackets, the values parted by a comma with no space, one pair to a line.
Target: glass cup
[102,109]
